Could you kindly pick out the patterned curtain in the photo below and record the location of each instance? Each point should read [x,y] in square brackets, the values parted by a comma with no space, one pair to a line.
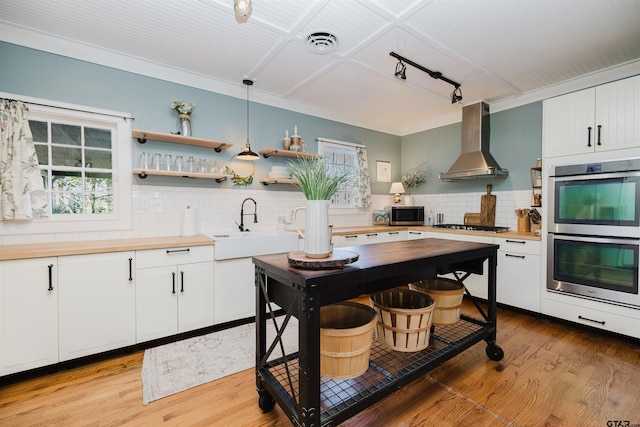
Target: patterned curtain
[22,193]
[363,184]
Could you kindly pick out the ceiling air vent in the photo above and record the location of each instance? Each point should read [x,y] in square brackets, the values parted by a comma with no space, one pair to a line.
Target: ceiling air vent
[322,43]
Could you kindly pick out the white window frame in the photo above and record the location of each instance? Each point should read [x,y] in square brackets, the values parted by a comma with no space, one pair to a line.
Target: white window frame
[122,178]
[325,144]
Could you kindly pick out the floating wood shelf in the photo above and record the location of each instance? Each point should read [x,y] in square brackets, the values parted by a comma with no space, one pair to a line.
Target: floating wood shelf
[144,173]
[287,153]
[267,181]
[144,135]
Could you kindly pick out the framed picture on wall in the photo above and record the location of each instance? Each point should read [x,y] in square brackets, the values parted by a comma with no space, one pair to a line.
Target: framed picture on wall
[383,171]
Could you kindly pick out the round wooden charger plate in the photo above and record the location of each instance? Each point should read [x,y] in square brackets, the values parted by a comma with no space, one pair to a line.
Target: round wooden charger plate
[337,259]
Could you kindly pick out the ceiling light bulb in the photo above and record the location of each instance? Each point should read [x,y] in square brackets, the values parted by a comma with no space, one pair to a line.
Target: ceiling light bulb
[242,9]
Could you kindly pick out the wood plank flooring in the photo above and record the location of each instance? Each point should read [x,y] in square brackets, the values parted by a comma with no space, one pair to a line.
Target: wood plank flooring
[553,374]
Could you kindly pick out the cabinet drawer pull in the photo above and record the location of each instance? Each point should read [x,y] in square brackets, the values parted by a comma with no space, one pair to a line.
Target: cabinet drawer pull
[522,242]
[182,281]
[599,129]
[173,251]
[353,236]
[591,320]
[589,136]
[394,232]
[372,234]
[173,286]
[50,266]
[515,256]
[131,269]
[415,232]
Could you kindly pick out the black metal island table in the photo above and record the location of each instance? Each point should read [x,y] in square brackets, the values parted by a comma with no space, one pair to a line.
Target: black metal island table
[294,381]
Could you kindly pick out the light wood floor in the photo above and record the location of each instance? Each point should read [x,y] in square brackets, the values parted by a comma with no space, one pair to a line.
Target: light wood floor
[552,375]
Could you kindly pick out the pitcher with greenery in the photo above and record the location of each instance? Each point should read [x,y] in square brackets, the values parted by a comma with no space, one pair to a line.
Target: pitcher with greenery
[319,182]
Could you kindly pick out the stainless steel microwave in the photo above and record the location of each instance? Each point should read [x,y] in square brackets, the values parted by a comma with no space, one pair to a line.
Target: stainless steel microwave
[405,215]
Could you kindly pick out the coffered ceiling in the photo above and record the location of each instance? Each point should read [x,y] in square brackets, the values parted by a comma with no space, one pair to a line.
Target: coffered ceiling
[504,52]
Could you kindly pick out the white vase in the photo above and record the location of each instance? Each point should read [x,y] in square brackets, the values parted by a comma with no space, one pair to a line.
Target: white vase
[408,200]
[317,235]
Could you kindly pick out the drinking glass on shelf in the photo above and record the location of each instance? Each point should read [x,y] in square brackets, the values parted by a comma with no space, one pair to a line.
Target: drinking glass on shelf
[202,166]
[144,161]
[179,166]
[167,162]
[191,164]
[156,161]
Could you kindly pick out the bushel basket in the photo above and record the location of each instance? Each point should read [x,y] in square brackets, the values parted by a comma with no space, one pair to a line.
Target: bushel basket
[447,295]
[404,319]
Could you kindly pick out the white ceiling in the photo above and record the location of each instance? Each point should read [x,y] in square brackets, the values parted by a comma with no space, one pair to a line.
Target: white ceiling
[505,52]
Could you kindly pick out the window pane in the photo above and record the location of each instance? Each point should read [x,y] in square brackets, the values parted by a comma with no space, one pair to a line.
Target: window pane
[65,134]
[99,138]
[66,203]
[66,156]
[43,154]
[39,131]
[97,204]
[97,159]
[100,183]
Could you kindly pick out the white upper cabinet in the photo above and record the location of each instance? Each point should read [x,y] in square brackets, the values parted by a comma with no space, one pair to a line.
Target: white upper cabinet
[603,118]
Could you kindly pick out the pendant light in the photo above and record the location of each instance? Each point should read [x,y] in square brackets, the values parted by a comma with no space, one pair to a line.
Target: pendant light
[247,154]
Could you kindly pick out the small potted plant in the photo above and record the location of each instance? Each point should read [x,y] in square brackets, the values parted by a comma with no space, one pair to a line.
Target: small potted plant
[411,180]
[319,182]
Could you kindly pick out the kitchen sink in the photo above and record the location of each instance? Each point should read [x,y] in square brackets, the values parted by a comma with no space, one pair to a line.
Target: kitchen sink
[237,244]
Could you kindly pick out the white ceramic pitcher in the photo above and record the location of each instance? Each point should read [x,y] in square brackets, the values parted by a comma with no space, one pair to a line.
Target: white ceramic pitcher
[317,236]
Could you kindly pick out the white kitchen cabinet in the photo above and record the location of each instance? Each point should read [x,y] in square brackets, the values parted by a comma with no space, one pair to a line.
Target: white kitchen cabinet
[174,291]
[518,273]
[28,314]
[235,290]
[96,303]
[601,315]
[602,118]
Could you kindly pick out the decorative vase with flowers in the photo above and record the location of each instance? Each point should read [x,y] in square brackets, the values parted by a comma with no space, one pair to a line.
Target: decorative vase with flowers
[319,182]
[411,180]
[184,110]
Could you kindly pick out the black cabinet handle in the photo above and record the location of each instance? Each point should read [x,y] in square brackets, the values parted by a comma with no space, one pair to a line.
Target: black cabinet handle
[599,129]
[131,269]
[353,236]
[173,287]
[394,232]
[372,234]
[173,251]
[516,241]
[50,277]
[415,232]
[182,281]
[589,136]
[514,256]
[591,320]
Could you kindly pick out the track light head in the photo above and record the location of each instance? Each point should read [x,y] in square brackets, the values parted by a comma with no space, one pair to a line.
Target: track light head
[456,95]
[401,70]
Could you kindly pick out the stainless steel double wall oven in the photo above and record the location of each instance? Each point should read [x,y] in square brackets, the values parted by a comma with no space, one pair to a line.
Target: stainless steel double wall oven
[594,231]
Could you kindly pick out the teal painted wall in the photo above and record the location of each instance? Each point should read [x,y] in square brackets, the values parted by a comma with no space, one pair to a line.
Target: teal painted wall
[30,72]
[515,143]
[516,134]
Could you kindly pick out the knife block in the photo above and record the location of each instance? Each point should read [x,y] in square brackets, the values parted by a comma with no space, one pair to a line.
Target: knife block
[524,225]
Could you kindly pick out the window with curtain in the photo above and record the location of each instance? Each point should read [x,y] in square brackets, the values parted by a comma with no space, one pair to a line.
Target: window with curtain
[84,164]
[352,157]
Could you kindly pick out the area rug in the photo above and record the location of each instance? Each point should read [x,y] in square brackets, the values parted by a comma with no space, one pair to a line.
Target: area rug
[178,366]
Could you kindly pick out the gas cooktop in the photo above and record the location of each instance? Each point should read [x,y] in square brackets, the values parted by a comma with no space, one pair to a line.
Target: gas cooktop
[467,227]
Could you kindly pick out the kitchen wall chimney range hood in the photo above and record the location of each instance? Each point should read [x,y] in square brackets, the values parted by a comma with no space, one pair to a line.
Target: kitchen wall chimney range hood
[475,161]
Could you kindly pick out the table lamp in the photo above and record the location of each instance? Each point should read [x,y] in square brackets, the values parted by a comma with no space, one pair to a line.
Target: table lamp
[396,189]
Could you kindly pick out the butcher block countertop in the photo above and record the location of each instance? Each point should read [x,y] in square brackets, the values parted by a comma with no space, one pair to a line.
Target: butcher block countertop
[49,249]
[41,250]
[511,234]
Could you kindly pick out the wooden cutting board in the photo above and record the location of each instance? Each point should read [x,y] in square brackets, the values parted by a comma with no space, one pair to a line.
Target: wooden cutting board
[488,208]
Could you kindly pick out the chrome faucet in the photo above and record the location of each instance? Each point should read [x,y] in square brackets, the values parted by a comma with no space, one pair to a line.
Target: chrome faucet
[242,214]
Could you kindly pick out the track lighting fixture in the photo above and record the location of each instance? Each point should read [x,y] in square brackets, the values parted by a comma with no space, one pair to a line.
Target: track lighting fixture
[242,9]
[456,95]
[247,154]
[400,70]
